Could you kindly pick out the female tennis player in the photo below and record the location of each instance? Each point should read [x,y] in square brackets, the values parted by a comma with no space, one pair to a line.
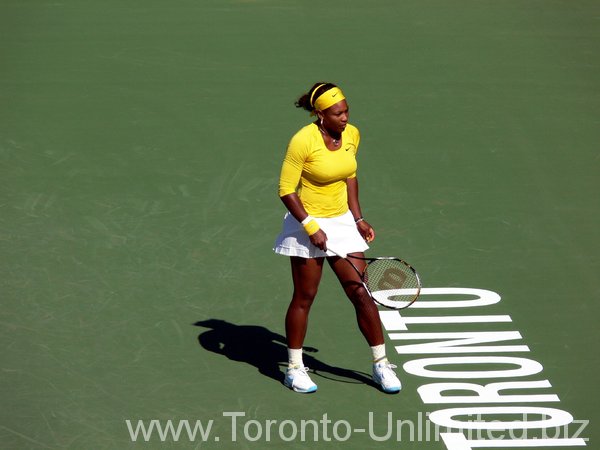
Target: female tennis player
[318,186]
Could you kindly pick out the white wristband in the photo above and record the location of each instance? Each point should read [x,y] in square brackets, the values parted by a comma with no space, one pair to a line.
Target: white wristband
[308,219]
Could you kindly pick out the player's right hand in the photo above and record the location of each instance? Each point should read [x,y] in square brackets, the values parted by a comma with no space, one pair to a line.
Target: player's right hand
[319,240]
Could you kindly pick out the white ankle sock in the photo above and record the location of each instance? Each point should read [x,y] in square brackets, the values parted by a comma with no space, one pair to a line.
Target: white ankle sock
[295,357]
[378,353]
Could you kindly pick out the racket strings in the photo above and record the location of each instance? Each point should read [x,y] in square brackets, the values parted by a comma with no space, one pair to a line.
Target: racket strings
[386,274]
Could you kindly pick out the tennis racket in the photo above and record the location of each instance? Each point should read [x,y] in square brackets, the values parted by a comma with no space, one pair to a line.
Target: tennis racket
[390,281]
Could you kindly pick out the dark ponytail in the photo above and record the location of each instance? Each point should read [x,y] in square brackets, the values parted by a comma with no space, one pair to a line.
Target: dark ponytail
[304,101]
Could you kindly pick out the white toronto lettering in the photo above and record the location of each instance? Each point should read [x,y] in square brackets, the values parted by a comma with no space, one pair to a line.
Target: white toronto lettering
[394,321]
[490,393]
[551,421]
[525,367]
[458,441]
[466,338]
[552,418]
[482,297]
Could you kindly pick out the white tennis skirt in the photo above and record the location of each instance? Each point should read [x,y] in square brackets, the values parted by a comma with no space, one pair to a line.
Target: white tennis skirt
[341,231]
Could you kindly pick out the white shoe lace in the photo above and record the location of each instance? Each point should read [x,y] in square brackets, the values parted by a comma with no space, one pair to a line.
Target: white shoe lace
[300,371]
[390,366]
[386,372]
[299,376]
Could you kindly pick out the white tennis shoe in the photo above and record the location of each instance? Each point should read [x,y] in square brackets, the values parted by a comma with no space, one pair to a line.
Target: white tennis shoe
[384,375]
[297,379]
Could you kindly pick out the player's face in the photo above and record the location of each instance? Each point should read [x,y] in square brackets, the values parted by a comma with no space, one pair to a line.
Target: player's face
[335,118]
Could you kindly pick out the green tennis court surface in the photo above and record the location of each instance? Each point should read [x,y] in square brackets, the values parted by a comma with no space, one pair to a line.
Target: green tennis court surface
[140,146]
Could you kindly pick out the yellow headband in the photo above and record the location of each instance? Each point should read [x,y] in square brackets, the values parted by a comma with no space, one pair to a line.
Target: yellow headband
[327,99]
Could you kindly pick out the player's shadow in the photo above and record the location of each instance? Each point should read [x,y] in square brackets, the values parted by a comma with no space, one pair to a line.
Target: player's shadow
[267,351]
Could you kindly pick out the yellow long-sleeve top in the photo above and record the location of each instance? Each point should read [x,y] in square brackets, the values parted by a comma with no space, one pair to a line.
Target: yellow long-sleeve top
[318,175]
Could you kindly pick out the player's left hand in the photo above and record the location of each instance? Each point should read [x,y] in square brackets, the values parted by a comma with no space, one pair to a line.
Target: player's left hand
[366,230]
